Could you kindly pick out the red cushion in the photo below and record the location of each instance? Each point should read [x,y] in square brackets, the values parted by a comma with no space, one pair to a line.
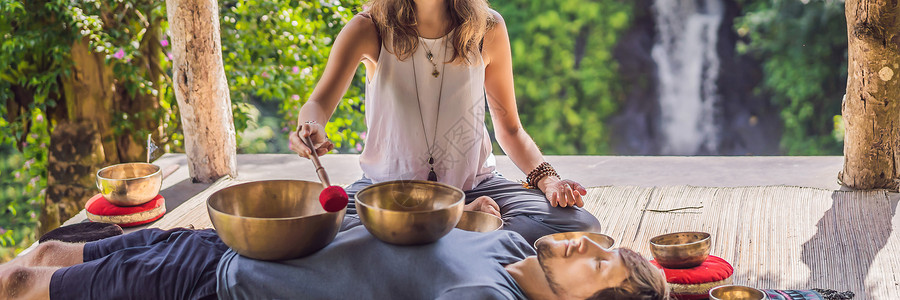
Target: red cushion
[695,283]
[713,269]
[100,210]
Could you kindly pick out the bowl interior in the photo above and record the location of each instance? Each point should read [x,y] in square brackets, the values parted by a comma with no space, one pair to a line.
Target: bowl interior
[409,196]
[479,222]
[679,239]
[275,199]
[605,241]
[128,171]
[736,292]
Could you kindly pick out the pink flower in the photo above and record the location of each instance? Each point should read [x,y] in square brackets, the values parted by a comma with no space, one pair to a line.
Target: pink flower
[39,118]
[295,97]
[358,147]
[285,129]
[164,42]
[170,56]
[265,74]
[119,54]
[18,175]
[296,70]
[362,135]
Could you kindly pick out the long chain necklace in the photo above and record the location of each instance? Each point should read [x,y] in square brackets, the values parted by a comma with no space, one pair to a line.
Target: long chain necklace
[432,176]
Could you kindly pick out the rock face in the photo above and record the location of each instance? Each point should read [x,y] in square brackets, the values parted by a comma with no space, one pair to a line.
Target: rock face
[745,123]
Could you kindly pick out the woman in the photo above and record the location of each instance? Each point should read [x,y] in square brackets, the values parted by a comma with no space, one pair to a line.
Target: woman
[430,66]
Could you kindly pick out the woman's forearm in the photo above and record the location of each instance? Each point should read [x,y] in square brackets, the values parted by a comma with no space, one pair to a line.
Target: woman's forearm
[521,149]
[313,111]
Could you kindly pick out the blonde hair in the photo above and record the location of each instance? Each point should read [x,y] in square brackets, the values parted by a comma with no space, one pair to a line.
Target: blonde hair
[396,21]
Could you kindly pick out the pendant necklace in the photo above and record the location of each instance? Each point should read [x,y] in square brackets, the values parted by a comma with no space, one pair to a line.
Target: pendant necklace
[432,176]
[430,57]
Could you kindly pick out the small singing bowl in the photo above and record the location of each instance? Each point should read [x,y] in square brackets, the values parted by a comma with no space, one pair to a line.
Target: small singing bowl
[409,212]
[479,222]
[129,184]
[736,292]
[603,240]
[273,219]
[680,250]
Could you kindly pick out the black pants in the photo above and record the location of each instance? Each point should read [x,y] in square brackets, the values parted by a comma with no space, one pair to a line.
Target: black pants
[146,264]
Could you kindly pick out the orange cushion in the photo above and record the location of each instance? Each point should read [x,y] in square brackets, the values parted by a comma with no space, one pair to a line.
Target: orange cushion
[100,210]
[695,283]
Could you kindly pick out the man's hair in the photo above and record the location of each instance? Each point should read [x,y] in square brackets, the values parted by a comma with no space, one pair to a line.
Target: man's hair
[645,281]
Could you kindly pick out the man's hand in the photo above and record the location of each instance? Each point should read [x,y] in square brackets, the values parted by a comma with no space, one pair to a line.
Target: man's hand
[316,133]
[484,204]
[562,192]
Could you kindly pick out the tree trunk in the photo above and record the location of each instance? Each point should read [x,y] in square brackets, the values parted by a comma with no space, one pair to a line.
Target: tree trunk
[82,141]
[871,110]
[201,89]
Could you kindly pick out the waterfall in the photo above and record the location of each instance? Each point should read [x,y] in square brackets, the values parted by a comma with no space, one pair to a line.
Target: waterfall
[688,66]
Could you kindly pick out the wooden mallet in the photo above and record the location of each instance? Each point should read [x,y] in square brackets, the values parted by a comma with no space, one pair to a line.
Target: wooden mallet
[333,198]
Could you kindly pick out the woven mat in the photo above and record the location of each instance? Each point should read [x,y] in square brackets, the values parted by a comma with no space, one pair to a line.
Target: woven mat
[777,237]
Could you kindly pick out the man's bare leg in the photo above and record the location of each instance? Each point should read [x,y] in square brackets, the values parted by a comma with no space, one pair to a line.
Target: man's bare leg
[18,282]
[52,254]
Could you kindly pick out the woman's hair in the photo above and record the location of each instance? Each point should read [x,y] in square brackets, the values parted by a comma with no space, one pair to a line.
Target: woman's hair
[396,21]
[645,281]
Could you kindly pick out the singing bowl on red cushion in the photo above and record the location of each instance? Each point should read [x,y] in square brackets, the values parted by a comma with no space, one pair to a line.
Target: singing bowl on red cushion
[695,283]
[129,184]
[99,209]
[273,219]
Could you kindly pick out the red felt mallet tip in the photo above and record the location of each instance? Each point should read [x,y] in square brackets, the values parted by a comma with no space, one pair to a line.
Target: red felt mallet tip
[333,198]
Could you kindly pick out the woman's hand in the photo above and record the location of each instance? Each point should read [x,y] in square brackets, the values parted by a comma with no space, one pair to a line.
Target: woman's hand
[484,204]
[316,133]
[562,192]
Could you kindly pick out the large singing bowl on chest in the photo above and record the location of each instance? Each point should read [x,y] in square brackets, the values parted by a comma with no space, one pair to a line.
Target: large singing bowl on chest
[409,212]
[273,220]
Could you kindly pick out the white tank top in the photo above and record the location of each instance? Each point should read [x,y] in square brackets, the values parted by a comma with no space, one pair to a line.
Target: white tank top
[396,147]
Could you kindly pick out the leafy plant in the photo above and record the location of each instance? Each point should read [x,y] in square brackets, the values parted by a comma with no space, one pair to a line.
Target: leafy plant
[274,53]
[803,49]
[565,76]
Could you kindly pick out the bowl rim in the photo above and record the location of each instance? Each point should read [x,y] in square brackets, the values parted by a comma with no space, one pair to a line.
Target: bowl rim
[703,240]
[157,172]
[210,207]
[481,212]
[611,246]
[462,199]
[739,286]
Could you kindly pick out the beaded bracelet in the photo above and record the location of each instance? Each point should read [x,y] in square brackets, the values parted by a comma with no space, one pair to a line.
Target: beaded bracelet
[541,171]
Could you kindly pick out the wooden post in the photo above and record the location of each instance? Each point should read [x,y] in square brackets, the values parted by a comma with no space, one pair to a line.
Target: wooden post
[201,89]
[871,107]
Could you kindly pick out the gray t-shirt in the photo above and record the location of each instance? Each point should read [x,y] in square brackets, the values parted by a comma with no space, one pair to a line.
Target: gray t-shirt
[461,265]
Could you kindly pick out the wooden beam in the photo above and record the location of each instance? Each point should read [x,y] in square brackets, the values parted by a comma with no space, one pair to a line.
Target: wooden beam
[871,107]
[201,89]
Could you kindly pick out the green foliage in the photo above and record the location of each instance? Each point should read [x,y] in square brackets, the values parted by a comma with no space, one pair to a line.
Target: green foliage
[35,59]
[274,53]
[803,49]
[565,75]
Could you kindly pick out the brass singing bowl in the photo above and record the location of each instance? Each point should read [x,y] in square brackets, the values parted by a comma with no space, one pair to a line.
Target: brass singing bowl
[736,292]
[603,240]
[409,212]
[274,219]
[129,184]
[479,222]
[680,250]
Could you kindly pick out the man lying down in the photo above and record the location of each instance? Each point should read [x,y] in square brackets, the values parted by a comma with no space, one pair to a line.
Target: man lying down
[196,264]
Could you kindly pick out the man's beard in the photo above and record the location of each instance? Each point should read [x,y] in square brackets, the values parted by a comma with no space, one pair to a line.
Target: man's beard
[544,252]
